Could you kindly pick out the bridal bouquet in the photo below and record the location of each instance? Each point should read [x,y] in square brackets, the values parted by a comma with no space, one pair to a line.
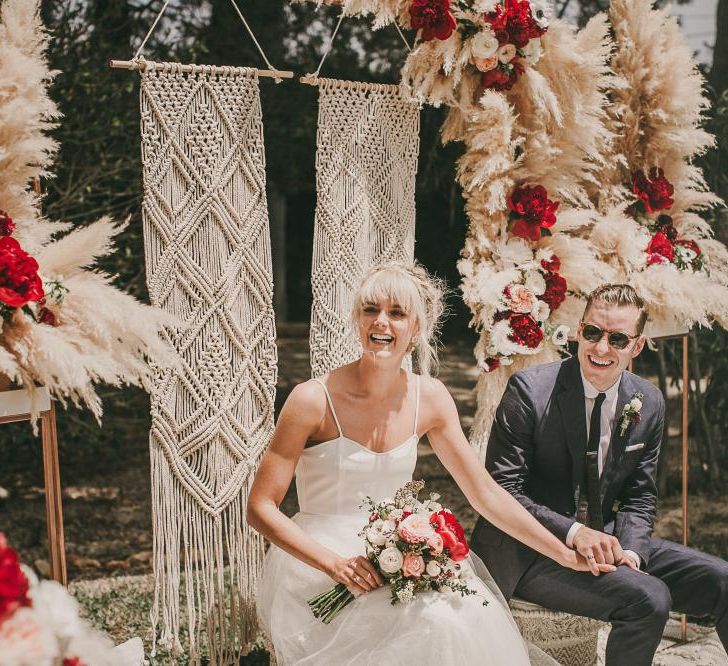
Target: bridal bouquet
[415,545]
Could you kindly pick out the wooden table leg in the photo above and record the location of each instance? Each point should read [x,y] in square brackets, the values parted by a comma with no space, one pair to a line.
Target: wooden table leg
[54,507]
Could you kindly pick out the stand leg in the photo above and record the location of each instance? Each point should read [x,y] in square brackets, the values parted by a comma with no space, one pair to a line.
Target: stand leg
[54,507]
[685,460]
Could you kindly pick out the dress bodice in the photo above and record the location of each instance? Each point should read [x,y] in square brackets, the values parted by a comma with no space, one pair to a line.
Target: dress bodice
[333,477]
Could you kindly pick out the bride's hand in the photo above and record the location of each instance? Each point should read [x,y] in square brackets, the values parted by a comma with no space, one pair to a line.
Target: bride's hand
[357,573]
[577,562]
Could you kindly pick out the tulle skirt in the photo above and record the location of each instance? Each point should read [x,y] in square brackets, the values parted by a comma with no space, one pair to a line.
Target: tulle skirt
[437,628]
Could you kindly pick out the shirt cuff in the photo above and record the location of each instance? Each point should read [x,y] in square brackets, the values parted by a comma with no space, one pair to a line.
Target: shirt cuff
[635,557]
[572,533]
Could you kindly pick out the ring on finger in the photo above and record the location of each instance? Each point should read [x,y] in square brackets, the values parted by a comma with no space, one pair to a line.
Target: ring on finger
[590,557]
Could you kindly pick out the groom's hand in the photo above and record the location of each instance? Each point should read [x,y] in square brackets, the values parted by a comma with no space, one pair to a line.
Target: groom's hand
[597,547]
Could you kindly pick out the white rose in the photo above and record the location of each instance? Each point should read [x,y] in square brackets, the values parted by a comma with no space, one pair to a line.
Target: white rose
[535,282]
[532,51]
[395,514]
[541,311]
[390,560]
[506,53]
[636,404]
[388,526]
[484,44]
[433,569]
[374,535]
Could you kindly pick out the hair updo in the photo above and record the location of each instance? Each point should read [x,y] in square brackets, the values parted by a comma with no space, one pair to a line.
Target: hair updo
[418,293]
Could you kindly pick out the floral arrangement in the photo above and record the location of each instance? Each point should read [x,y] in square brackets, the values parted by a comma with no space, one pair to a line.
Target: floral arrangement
[654,195]
[40,623]
[63,324]
[631,413]
[415,545]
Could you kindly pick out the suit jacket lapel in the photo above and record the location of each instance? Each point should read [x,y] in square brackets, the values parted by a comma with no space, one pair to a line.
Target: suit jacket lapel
[570,401]
[617,441]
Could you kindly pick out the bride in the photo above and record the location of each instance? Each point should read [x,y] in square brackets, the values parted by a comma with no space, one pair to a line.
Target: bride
[354,433]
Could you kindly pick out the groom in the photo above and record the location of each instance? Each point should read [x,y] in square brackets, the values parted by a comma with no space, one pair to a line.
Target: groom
[576,442]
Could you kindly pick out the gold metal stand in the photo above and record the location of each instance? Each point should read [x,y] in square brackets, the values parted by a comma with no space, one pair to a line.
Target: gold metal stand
[52,476]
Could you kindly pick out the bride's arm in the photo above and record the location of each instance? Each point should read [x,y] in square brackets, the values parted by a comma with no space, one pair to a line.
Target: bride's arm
[488,498]
[301,417]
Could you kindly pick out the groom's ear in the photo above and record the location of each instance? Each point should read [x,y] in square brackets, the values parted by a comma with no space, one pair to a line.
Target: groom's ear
[638,346]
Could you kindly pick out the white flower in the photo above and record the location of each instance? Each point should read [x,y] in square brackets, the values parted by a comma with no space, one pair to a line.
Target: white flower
[484,44]
[541,311]
[27,641]
[541,12]
[636,404]
[484,6]
[560,336]
[395,514]
[535,282]
[532,51]
[433,568]
[407,593]
[390,560]
[390,543]
[415,528]
[506,53]
[374,534]
[434,507]
[685,253]
[56,609]
[388,526]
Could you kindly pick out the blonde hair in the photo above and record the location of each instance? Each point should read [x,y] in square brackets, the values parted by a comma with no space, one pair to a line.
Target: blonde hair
[418,293]
[620,295]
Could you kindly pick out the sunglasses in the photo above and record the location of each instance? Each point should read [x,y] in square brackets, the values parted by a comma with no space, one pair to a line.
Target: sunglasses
[616,339]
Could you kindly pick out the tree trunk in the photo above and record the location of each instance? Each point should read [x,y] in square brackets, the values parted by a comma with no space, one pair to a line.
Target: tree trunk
[719,71]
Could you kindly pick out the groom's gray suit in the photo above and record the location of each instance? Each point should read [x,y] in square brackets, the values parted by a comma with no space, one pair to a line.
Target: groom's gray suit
[537,451]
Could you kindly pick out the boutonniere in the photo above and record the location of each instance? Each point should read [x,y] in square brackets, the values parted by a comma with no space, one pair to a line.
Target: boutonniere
[631,413]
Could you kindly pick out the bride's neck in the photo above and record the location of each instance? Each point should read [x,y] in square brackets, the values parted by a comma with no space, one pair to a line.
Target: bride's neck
[375,377]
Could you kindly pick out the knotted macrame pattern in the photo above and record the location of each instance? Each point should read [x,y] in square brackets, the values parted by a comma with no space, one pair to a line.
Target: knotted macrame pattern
[366,162]
[208,259]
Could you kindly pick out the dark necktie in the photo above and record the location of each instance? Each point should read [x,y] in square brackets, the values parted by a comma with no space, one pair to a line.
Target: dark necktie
[596,520]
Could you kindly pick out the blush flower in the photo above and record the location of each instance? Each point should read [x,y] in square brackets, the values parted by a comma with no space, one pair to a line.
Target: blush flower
[520,298]
[413,565]
[435,543]
[415,528]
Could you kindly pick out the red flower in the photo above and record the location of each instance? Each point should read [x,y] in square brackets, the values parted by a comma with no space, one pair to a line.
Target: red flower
[552,265]
[452,533]
[19,281]
[13,583]
[525,331]
[531,211]
[555,290]
[662,246]
[502,77]
[46,316]
[654,193]
[520,23]
[492,364]
[690,244]
[433,17]
[7,226]
[72,661]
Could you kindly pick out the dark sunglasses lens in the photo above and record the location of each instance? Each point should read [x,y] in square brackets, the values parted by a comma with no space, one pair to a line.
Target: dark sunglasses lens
[591,333]
[618,340]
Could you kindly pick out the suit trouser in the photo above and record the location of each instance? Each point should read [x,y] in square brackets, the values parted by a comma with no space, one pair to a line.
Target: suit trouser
[636,605]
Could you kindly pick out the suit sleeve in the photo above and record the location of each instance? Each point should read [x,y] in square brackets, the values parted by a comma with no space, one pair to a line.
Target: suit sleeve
[510,453]
[638,501]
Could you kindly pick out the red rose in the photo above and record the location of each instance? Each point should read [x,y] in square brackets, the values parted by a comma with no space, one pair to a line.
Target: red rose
[19,281]
[531,211]
[7,226]
[690,244]
[433,17]
[502,77]
[654,193]
[498,20]
[13,583]
[555,290]
[73,661]
[46,316]
[452,533]
[662,246]
[492,364]
[525,331]
[552,265]
[520,23]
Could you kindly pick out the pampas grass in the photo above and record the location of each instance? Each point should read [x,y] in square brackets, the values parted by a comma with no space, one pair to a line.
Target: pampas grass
[102,334]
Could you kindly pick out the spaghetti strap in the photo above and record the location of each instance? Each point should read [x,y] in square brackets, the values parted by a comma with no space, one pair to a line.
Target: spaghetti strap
[417,401]
[330,403]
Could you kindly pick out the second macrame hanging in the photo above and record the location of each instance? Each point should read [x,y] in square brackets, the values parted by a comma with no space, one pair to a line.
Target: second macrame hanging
[207,248]
[366,162]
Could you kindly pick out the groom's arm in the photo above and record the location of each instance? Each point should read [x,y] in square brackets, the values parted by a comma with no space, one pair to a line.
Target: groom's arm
[510,452]
[638,499]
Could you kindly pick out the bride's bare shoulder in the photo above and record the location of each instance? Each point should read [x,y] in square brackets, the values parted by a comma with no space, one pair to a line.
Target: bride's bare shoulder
[307,401]
[434,395]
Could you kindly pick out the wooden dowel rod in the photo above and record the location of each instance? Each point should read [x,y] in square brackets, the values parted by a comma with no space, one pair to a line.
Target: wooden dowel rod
[54,505]
[215,69]
[353,85]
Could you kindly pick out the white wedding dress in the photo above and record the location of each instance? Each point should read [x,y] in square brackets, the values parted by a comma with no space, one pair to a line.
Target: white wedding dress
[438,629]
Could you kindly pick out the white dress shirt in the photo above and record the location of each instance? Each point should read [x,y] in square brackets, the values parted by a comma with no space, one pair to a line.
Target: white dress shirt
[606,424]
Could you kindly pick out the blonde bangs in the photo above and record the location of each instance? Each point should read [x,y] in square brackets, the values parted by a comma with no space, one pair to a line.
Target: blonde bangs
[388,284]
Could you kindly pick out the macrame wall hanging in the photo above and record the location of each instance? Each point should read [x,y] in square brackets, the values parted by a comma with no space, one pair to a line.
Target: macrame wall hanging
[207,248]
[366,162]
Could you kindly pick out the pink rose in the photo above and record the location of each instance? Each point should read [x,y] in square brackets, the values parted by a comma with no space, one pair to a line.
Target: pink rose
[520,298]
[413,565]
[435,544]
[485,64]
[415,528]
[506,53]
